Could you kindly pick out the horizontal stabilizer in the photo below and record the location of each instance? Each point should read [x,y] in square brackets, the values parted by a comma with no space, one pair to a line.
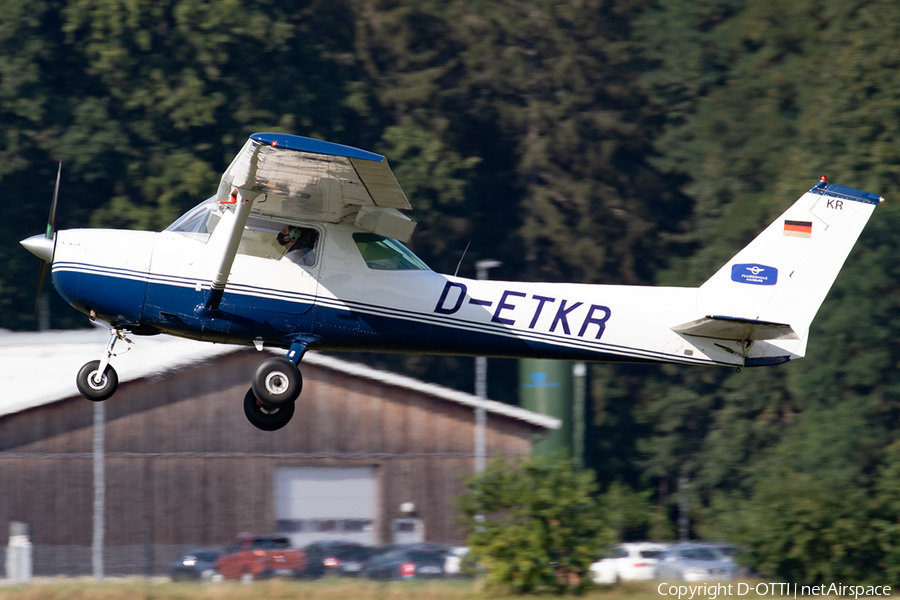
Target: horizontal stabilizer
[736,329]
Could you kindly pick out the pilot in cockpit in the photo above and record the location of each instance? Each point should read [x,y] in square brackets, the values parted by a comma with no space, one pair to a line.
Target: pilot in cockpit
[299,243]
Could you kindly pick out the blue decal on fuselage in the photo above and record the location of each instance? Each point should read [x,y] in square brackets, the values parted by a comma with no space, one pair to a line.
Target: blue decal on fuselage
[754,274]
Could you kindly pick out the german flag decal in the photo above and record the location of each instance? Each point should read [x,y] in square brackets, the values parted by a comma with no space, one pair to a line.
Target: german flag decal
[801,229]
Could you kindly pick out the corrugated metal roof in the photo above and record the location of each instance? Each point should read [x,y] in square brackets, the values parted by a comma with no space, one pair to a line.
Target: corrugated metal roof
[38,368]
[439,391]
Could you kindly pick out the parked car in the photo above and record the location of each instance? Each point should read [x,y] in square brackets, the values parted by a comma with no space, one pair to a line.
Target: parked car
[628,562]
[694,562]
[737,555]
[196,564]
[252,557]
[407,561]
[336,557]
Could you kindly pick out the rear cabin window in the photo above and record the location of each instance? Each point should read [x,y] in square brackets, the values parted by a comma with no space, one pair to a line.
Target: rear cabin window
[386,254]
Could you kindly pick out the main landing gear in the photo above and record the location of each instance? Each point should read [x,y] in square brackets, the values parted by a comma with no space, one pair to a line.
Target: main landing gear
[268,404]
[276,384]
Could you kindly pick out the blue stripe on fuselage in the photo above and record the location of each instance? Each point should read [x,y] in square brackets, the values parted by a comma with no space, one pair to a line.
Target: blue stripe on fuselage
[114,298]
[248,312]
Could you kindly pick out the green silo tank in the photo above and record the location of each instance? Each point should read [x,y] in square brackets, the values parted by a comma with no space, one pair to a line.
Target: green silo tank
[545,386]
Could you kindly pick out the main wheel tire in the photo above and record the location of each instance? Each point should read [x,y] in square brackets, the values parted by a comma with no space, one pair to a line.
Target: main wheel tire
[92,390]
[276,382]
[265,417]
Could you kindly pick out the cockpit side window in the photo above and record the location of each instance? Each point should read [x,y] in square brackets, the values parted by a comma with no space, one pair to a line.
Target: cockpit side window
[387,254]
[279,241]
[299,244]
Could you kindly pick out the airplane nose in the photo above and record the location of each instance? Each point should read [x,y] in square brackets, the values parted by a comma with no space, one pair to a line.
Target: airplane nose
[40,245]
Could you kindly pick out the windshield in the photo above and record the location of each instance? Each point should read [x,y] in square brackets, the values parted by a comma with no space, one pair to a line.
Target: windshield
[199,222]
[386,254]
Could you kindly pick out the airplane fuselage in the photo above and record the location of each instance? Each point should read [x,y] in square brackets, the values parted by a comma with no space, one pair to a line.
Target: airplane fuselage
[158,282]
[300,248]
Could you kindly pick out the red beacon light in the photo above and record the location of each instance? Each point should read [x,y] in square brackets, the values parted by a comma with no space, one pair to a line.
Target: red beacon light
[823,179]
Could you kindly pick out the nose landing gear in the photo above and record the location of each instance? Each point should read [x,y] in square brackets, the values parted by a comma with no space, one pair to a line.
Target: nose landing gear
[97,380]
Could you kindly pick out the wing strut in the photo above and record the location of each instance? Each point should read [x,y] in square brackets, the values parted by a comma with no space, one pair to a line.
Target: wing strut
[243,201]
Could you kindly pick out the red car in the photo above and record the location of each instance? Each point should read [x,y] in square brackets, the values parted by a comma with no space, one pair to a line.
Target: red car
[261,556]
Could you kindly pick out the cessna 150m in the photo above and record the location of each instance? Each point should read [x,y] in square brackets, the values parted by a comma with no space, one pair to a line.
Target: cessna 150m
[301,247]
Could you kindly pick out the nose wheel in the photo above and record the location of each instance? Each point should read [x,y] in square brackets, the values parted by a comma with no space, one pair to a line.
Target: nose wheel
[94,385]
[97,380]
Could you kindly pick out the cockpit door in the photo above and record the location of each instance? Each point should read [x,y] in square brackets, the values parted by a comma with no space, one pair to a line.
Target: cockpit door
[276,269]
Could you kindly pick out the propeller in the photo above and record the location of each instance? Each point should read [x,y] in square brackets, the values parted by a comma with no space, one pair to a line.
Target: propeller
[43,246]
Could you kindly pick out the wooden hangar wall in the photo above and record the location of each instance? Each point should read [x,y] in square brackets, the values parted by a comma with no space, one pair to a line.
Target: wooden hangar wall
[184,468]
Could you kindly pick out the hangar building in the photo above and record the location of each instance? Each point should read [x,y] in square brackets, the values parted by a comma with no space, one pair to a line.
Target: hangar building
[183,468]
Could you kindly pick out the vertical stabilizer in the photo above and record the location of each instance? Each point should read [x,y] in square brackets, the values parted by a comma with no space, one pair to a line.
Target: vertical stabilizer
[784,274]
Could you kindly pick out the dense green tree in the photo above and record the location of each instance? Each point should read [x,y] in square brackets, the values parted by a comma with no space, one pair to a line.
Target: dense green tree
[535,525]
[145,103]
[761,94]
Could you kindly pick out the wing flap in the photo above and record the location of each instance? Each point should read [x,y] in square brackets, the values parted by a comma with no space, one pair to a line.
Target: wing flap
[381,183]
[736,329]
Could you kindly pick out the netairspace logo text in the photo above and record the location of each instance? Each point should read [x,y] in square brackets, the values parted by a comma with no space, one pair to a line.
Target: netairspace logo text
[770,589]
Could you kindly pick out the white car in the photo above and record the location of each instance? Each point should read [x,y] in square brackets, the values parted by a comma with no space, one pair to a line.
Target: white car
[629,562]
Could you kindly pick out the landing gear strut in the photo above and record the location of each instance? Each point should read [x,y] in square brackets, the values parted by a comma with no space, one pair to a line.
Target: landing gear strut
[97,380]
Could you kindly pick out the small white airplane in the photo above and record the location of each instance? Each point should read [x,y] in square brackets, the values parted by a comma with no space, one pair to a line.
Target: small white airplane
[301,247]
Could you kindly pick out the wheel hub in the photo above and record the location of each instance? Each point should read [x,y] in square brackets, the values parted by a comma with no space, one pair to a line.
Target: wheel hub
[96,381]
[277,383]
[265,409]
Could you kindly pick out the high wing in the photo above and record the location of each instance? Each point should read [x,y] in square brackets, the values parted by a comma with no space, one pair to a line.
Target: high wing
[289,177]
[312,180]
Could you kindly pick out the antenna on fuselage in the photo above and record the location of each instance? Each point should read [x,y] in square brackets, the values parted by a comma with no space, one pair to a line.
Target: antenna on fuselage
[459,264]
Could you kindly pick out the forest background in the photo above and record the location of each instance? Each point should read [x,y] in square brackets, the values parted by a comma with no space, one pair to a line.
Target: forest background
[597,141]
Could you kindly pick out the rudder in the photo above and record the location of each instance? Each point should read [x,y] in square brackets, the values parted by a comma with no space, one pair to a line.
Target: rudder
[784,274]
